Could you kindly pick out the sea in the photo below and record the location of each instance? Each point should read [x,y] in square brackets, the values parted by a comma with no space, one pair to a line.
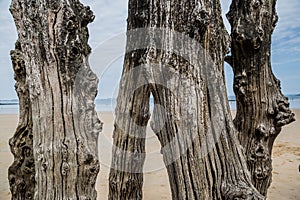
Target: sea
[109,104]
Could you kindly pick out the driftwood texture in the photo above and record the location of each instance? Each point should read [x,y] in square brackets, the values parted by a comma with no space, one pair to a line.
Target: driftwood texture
[261,107]
[58,130]
[199,142]
[21,173]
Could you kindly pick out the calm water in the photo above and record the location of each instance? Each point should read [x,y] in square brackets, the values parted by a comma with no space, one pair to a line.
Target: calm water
[11,106]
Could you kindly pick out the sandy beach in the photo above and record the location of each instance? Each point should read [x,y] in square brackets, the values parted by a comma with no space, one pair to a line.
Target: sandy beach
[286,159]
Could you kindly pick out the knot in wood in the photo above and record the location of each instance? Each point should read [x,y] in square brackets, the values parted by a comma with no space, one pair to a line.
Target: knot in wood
[87,16]
[89,159]
[94,169]
[54,5]
[239,191]
[201,16]
[140,16]
[27,151]
[261,131]
[260,151]
[284,115]
[252,38]
[45,166]
[75,48]
[65,153]
[29,162]
[65,168]
[72,24]
[240,83]
[257,4]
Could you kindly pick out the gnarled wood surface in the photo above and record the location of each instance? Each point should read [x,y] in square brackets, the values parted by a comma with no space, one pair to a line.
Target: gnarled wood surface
[200,147]
[261,107]
[60,115]
[21,173]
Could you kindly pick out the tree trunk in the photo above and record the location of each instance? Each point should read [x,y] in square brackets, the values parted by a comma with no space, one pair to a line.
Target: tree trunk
[261,107]
[178,52]
[59,114]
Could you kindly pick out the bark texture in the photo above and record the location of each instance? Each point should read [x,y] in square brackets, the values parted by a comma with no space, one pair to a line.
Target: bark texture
[200,147]
[131,117]
[21,173]
[58,117]
[261,107]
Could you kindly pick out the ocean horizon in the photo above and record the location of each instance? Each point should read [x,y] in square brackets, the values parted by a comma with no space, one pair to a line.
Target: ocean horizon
[109,104]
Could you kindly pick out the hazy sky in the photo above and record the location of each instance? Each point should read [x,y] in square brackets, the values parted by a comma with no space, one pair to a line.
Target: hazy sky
[110,23]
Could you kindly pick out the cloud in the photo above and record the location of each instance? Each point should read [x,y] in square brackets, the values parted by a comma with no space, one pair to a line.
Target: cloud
[285,42]
[111,20]
[286,38]
[8,37]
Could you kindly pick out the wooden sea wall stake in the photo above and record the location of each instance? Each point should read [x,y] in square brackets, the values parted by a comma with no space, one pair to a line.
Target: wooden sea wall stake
[262,109]
[55,145]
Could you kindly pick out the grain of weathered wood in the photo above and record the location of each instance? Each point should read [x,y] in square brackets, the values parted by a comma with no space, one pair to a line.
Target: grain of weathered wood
[57,134]
[200,147]
[21,173]
[53,38]
[261,107]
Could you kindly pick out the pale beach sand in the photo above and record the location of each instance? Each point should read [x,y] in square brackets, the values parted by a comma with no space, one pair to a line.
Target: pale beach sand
[286,159]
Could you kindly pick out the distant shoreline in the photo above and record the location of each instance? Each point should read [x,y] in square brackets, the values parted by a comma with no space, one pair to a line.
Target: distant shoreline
[109,104]
[9,104]
[291,97]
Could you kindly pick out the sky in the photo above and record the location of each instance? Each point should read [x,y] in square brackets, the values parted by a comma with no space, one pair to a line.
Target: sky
[109,28]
